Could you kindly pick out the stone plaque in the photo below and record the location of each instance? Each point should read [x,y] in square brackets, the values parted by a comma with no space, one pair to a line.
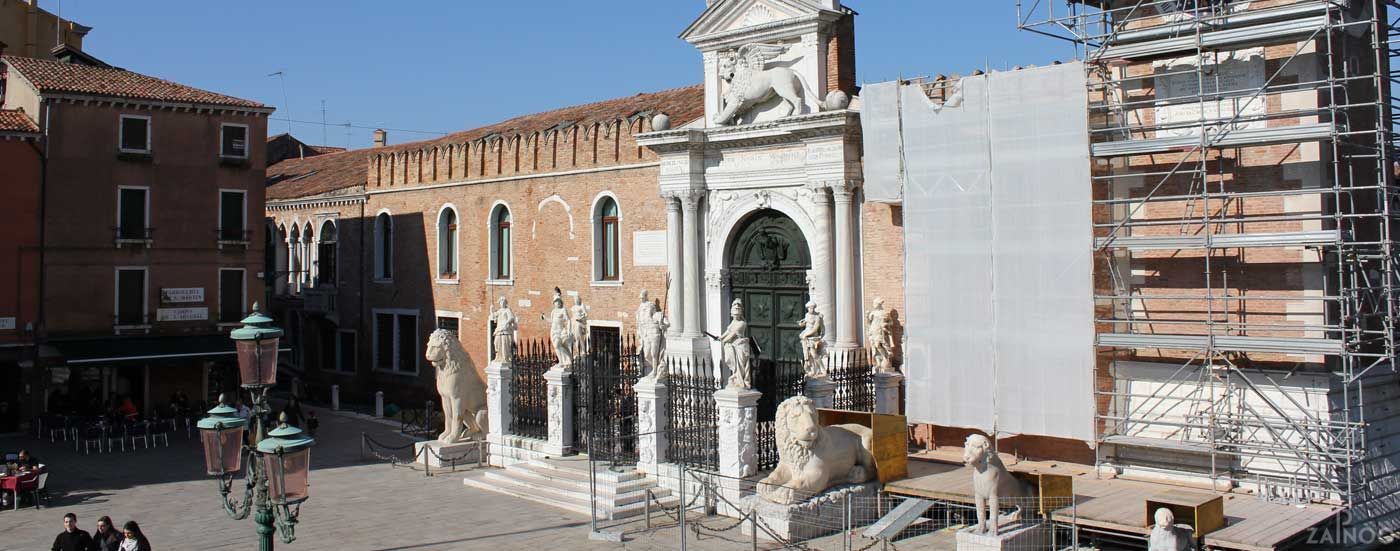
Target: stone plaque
[182,294]
[1236,73]
[182,314]
[649,248]
[7,324]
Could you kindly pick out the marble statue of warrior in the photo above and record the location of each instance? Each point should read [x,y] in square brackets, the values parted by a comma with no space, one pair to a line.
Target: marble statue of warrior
[813,328]
[504,337]
[738,351]
[561,332]
[580,327]
[651,327]
[878,336]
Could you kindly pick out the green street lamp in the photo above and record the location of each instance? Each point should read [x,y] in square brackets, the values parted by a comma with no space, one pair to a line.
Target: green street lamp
[280,463]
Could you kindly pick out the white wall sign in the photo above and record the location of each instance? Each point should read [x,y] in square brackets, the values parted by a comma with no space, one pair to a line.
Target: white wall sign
[182,294]
[1240,72]
[649,248]
[182,314]
[7,323]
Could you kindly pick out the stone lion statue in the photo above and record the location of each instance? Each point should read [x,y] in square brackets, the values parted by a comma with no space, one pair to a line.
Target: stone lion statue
[1167,535]
[812,458]
[460,386]
[750,83]
[991,482]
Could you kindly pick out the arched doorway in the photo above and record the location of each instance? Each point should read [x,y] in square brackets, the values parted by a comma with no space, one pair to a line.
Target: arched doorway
[768,264]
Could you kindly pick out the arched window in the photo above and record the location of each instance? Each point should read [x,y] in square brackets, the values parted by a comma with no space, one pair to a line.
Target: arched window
[383,247]
[294,258]
[447,243]
[606,249]
[308,255]
[500,242]
[326,266]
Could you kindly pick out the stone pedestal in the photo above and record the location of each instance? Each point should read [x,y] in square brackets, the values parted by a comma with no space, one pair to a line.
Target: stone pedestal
[651,425]
[1015,536]
[379,404]
[823,514]
[887,387]
[498,393]
[440,455]
[738,420]
[335,397]
[822,392]
[561,410]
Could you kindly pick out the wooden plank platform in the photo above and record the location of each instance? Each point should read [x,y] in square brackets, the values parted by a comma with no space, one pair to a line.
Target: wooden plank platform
[1120,504]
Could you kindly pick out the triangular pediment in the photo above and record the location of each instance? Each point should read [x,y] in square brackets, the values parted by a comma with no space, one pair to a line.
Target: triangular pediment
[734,15]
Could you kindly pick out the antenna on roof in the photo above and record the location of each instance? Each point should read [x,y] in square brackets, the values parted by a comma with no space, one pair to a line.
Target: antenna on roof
[323,122]
[282,77]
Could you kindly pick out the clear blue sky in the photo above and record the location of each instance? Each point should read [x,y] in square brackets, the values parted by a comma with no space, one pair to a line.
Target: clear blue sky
[451,65]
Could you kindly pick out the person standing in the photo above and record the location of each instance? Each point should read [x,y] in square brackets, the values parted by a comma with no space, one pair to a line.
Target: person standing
[72,538]
[293,412]
[135,540]
[106,538]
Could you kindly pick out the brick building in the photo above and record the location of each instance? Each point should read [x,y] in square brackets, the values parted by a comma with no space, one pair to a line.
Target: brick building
[31,31]
[19,282]
[151,193]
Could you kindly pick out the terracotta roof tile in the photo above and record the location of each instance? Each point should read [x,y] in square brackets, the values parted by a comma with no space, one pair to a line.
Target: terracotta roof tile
[296,178]
[54,76]
[681,104]
[14,120]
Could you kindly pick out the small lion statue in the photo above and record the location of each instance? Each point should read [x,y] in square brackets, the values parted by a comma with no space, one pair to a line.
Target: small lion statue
[460,386]
[991,482]
[812,458]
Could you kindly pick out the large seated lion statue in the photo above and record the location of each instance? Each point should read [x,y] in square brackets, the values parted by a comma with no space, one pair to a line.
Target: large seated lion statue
[812,458]
[461,388]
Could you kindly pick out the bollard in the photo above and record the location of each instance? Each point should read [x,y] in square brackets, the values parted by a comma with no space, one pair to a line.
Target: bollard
[379,404]
[335,397]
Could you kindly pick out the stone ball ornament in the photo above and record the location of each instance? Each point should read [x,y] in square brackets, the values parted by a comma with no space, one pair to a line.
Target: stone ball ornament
[836,101]
[661,122]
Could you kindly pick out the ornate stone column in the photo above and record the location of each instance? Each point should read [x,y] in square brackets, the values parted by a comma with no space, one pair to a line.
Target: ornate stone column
[847,307]
[690,228]
[824,271]
[651,425]
[738,442]
[561,411]
[498,393]
[887,387]
[675,266]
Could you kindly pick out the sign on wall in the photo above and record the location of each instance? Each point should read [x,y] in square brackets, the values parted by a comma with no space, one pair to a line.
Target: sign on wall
[182,294]
[7,324]
[1236,73]
[182,314]
[649,248]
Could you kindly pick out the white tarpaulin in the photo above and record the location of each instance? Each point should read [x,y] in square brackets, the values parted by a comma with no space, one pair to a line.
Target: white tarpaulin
[879,123]
[998,267]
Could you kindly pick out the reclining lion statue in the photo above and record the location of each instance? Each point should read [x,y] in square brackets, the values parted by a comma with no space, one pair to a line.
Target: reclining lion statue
[812,458]
[462,391]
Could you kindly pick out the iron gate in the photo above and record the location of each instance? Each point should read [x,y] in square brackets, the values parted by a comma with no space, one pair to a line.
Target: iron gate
[605,401]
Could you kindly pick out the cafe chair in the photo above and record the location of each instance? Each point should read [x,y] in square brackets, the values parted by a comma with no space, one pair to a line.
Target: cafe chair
[140,430]
[116,432]
[39,490]
[161,431]
[92,436]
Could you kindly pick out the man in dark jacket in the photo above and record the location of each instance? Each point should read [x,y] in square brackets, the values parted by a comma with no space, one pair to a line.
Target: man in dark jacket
[71,538]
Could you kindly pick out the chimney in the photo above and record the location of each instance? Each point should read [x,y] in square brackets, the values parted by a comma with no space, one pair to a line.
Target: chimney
[381,138]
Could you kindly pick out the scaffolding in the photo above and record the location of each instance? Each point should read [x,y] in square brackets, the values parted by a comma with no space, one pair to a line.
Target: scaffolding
[1176,138]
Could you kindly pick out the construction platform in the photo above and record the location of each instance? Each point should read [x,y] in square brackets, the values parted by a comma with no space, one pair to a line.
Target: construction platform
[1119,504]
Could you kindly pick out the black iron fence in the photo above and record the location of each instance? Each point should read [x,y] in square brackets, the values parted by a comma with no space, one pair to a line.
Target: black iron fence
[605,399]
[778,380]
[529,399]
[853,374]
[691,415]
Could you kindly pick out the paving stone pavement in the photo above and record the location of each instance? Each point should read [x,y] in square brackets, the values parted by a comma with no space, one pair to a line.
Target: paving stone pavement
[355,504]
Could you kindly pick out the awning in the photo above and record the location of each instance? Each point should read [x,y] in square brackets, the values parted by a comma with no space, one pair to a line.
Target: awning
[142,349]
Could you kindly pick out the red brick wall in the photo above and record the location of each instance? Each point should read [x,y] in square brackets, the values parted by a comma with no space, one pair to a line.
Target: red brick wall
[19,223]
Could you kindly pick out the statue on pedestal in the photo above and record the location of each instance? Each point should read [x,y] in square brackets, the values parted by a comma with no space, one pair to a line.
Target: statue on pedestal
[504,335]
[812,458]
[991,482]
[879,337]
[738,349]
[462,391]
[1166,535]
[580,326]
[651,328]
[813,327]
[561,332]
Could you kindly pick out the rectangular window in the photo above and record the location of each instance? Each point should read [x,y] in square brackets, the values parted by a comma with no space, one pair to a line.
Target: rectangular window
[396,342]
[610,254]
[231,215]
[131,296]
[325,263]
[135,134]
[345,352]
[231,293]
[448,323]
[131,213]
[233,141]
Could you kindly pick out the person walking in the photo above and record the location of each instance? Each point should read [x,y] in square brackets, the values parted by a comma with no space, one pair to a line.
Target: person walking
[106,538]
[72,538]
[135,540]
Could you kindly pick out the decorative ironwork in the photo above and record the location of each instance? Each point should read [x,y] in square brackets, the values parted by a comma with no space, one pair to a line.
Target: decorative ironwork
[529,401]
[778,380]
[853,374]
[605,399]
[692,416]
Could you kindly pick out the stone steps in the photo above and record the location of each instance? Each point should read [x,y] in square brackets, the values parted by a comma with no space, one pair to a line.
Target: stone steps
[563,483]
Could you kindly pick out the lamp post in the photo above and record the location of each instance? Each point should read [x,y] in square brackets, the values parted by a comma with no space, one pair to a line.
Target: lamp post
[279,464]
